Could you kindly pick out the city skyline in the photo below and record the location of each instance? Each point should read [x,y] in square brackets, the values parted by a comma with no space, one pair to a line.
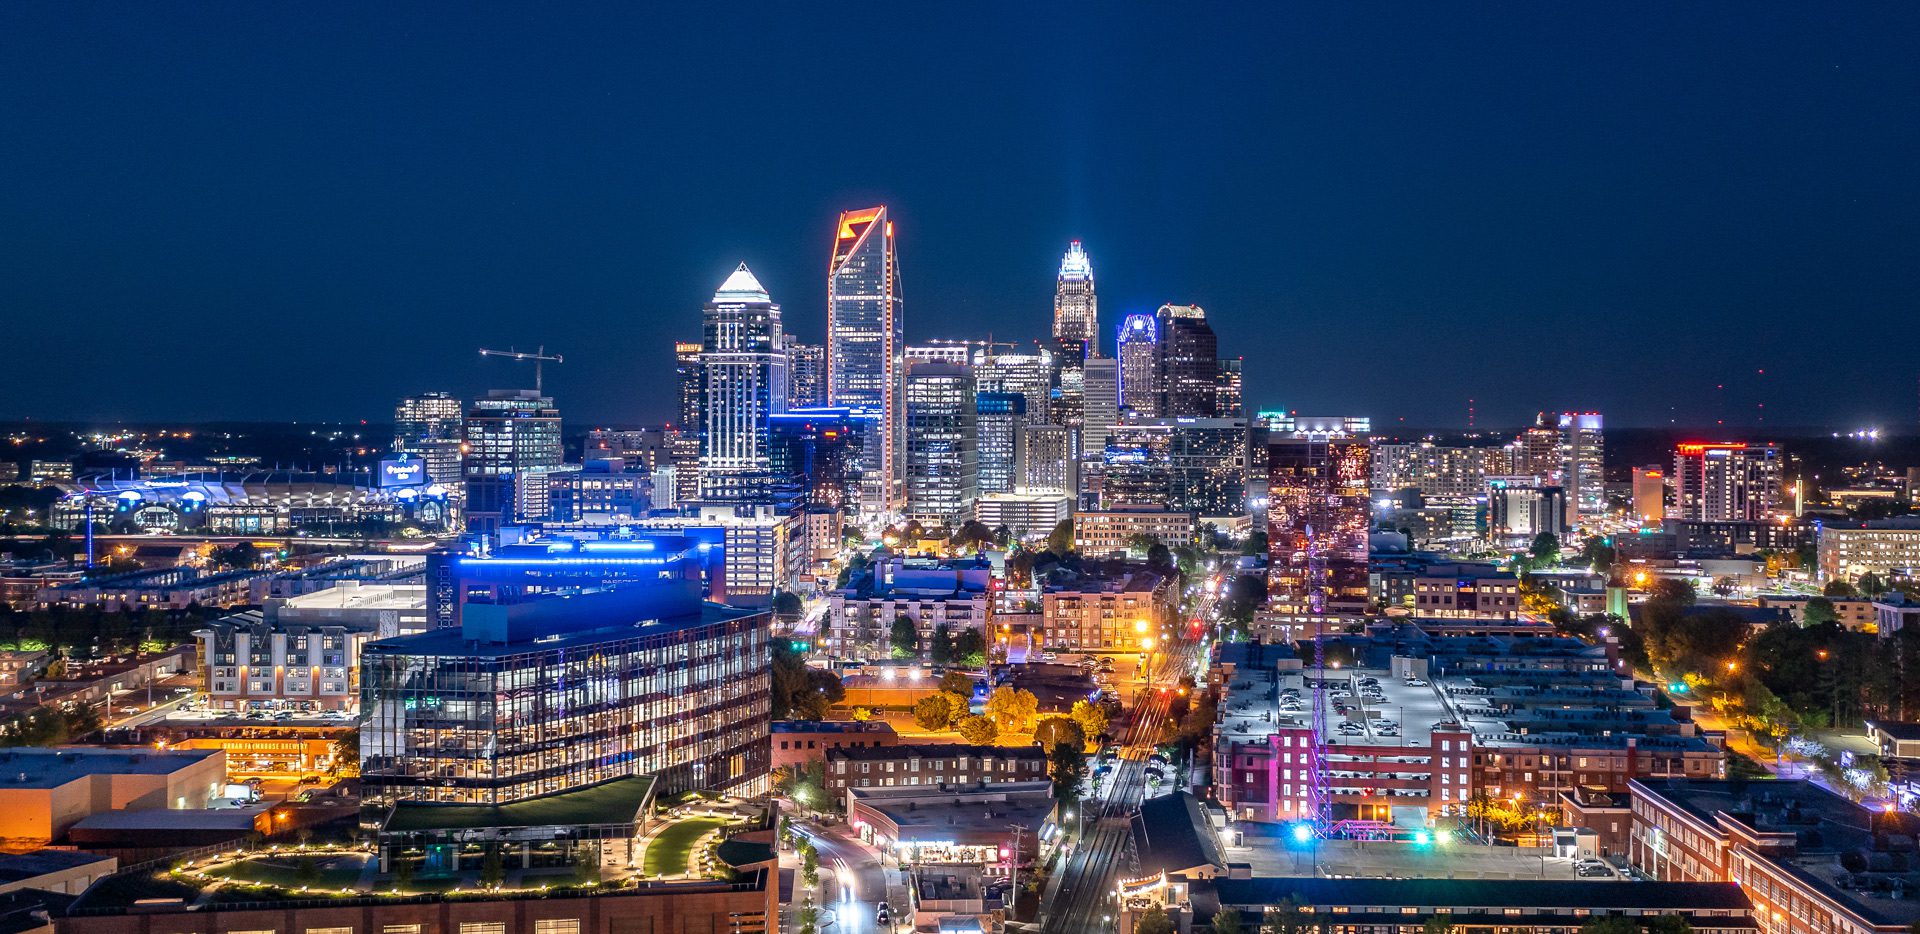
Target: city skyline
[1381,191]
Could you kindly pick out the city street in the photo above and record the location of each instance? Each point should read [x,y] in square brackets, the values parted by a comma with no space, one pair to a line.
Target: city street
[853,882]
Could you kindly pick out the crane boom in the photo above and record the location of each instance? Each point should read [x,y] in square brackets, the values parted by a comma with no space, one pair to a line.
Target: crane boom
[539,356]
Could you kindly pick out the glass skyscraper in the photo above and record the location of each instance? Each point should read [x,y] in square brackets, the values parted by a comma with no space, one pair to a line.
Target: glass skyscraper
[866,344]
[1138,350]
[943,455]
[744,374]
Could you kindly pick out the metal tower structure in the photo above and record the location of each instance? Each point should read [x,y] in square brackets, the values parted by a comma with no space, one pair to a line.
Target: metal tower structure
[1318,806]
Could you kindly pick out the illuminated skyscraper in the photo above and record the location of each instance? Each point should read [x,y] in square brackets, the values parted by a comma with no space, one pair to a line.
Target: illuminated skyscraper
[1002,433]
[866,343]
[1582,452]
[744,374]
[1076,335]
[1138,350]
[685,443]
[943,452]
[1076,313]
[431,425]
[1726,481]
[1231,401]
[1317,498]
[806,374]
[513,442]
[1189,363]
[1029,375]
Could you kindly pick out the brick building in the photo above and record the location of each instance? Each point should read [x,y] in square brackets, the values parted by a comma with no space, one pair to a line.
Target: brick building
[956,765]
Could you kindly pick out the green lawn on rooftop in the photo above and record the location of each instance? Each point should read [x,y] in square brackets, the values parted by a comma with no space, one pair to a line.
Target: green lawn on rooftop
[668,851]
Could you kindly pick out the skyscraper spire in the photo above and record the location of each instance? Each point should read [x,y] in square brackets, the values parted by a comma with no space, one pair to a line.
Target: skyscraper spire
[1076,313]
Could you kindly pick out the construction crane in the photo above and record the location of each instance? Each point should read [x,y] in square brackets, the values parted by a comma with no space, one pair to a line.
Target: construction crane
[540,359]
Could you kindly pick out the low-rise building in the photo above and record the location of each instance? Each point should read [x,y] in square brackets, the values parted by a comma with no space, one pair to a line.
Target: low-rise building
[981,827]
[1468,593]
[1855,614]
[1112,531]
[1886,547]
[250,662]
[1024,514]
[1894,612]
[19,666]
[1810,859]
[43,792]
[950,766]
[931,593]
[1509,906]
[1108,615]
[797,742]
[173,588]
[67,872]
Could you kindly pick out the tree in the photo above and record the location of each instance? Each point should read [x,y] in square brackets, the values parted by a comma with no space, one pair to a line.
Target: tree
[492,870]
[978,730]
[1091,717]
[970,649]
[346,753]
[809,865]
[1599,555]
[1227,921]
[904,637]
[1668,924]
[1610,924]
[1438,924]
[586,863]
[1160,557]
[941,650]
[1139,543]
[972,534]
[1283,918]
[1012,708]
[306,871]
[1676,591]
[1060,540]
[787,605]
[933,712]
[1002,536]
[1871,585]
[1153,921]
[238,557]
[1058,731]
[1067,766]
[1839,588]
[1819,611]
[1545,549]
[1256,543]
[954,682]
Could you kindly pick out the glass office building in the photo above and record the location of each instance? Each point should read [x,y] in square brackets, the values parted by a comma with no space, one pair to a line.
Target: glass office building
[565,691]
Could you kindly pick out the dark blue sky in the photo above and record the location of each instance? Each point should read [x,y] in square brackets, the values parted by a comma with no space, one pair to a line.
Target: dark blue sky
[303,211]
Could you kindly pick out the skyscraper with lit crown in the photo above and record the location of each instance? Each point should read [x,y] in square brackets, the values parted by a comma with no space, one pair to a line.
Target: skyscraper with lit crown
[744,376]
[1076,313]
[866,345]
[1138,349]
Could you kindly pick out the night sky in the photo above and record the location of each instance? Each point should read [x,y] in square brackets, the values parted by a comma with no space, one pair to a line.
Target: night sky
[281,211]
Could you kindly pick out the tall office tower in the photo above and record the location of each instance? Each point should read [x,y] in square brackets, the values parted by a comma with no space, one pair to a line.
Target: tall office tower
[866,344]
[1582,453]
[688,376]
[1726,481]
[1317,497]
[1135,472]
[1076,338]
[1138,349]
[1028,374]
[1051,468]
[431,425]
[1650,494]
[744,372]
[1076,312]
[1100,413]
[1196,465]
[1519,509]
[1538,452]
[806,374]
[943,455]
[1002,430]
[513,442]
[1230,396]
[814,452]
[1189,363]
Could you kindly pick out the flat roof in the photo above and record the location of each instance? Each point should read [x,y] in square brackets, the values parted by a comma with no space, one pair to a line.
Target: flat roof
[1483,893]
[22,866]
[22,767]
[452,641]
[237,819]
[1824,826]
[929,813]
[615,801]
[354,595]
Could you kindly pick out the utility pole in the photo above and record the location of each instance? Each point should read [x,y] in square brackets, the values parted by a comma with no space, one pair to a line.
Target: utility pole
[540,358]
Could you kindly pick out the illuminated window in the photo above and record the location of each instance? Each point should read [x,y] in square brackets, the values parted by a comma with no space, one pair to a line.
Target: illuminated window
[557,926]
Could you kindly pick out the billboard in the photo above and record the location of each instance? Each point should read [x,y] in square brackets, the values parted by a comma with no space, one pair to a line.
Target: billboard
[402,470]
